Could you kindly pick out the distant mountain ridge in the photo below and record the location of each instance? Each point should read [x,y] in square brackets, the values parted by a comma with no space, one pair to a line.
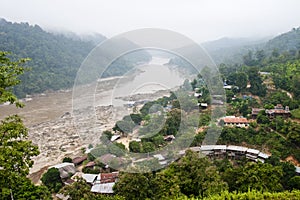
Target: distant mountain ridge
[232,50]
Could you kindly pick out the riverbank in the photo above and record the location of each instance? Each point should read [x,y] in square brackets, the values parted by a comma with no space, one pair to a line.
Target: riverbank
[50,120]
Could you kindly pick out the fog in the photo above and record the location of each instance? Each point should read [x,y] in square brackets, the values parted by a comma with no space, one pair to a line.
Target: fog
[200,20]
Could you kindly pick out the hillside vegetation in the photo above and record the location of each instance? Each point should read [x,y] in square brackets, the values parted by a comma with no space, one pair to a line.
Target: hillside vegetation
[55,58]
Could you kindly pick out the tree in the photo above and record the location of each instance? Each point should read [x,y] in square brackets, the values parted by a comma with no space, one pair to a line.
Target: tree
[248,59]
[15,148]
[67,159]
[136,118]
[52,180]
[262,119]
[78,190]
[260,176]
[197,176]
[148,147]
[135,147]
[241,80]
[260,55]
[294,183]
[25,189]
[9,77]
[82,190]
[135,185]
[124,127]
[257,86]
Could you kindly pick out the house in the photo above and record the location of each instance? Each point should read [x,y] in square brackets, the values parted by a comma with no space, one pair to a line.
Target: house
[213,150]
[264,73]
[236,151]
[109,177]
[219,150]
[102,183]
[262,157]
[227,87]
[69,182]
[65,169]
[252,154]
[197,95]
[207,149]
[169,138]
[90,178]
[106,158]
[255,112]
[203,105]
[297,170]
[90,164]
[161,159]
[278,111]
[104,188]
[235,121]
[114,137]
[79,160]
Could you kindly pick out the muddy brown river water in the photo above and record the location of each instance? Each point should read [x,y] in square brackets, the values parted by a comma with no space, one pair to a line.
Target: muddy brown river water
[49,116]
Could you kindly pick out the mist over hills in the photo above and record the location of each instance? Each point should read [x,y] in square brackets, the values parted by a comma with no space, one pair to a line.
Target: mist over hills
[56,56]
[231,50]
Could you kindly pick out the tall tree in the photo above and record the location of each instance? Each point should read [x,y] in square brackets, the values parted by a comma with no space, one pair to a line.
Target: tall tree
[15,148]
[241,80]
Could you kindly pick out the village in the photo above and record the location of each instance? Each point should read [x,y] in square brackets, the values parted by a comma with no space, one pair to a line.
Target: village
[102,177]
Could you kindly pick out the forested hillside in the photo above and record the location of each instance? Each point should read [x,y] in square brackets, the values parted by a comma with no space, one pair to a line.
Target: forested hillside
[55,58]
[232,50]
[289,41]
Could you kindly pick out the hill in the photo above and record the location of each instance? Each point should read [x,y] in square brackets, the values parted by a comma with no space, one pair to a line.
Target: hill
[289,41]
[55,57]
[231,50]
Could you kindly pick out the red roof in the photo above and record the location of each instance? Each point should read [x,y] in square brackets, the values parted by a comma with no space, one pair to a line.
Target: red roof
[235,120]
[108,177]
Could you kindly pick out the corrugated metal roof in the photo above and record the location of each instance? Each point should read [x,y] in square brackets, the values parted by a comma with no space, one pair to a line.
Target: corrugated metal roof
[220,147]
[253,151]
[207,147]
[89,178]
[103,188]
[237,148]
[61,165]
[114,137]
[263,155]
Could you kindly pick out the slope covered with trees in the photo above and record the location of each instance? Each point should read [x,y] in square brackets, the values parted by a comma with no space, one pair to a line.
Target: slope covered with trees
[55,58]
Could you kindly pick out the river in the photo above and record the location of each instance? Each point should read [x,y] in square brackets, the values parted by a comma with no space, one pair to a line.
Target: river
[153,76]
[53,128]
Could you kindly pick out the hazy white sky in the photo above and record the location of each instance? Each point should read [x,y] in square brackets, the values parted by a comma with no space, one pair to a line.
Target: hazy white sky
[200,20]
